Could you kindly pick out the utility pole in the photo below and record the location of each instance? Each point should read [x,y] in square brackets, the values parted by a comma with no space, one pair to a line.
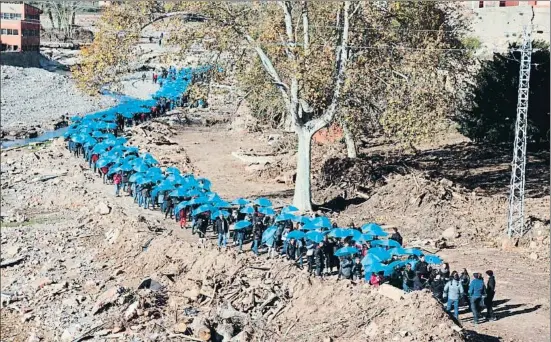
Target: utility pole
[515,223]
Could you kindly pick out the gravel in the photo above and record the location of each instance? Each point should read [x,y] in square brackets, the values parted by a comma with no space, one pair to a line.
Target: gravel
[33,96]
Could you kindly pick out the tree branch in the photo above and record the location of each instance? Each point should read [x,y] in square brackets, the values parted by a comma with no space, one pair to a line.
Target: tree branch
[341,63]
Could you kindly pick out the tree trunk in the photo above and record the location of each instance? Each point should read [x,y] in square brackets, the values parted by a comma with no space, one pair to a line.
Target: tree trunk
[351,149]
[302,198]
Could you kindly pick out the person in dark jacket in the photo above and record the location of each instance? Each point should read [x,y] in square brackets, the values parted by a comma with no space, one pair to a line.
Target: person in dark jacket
[422,270]
[202,224]
[408,277]
[222,227]
[345,270]
[357,270]
[476,292]
[319,258]
[465,280]
[258,229]
[328,249]
[292,250]
[490,293]
[396,236]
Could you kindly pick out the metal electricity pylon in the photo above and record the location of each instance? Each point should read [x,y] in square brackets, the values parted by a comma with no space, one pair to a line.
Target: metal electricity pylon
[515,223]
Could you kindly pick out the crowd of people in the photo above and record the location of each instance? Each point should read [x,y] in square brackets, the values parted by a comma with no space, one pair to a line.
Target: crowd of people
[365,254]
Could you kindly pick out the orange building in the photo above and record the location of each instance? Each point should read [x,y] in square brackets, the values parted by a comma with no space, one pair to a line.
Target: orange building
[489,4]
[19,27]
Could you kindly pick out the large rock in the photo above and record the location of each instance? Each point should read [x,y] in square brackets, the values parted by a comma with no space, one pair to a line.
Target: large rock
[103,209]
[450,233]
[391,292]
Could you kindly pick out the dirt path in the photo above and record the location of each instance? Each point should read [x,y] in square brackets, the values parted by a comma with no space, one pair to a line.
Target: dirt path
[211,154]
[522,295]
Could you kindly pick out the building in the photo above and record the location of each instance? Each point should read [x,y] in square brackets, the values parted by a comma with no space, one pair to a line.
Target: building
[19,27]
[491,4]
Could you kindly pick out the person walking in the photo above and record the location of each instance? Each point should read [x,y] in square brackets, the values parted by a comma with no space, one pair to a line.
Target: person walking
[319,258]
[408,278]
[396,236]
[465,279]
[117,179]
[453,291]
[476,292]
[222,228]
[490,293]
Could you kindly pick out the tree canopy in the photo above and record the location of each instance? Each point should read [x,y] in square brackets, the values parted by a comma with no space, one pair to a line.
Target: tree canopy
[305,63]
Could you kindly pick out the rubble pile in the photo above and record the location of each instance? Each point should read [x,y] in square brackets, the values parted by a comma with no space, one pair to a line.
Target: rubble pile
[84,264]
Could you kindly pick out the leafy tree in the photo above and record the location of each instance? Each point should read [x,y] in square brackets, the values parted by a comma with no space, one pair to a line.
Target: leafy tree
[491,112]
[304,55]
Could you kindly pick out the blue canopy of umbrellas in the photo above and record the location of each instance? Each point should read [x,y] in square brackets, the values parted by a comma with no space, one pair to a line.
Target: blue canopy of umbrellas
[94,132]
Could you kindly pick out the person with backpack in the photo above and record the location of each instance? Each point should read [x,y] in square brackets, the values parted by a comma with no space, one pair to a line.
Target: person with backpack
[490,293]
[345,269]
[477,291]
[422,271]
[453,291]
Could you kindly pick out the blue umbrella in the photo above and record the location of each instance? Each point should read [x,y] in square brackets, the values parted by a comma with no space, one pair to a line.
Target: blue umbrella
[165,186]
[268,235]
[317,237]
[289,209]
[140,168]
[370,259]
[198,200]
[365,238]
[172,170]
[397,263]
[321,222]
[201,209]
[301,219]
[264,202]
[121,140]
[113,170]
[217,213]
[380,253]
[126,167]
[204,183]
[412,251]
[144,180]
[284,217]
[222,204]
[344,251]
[341,233]
[103,162]
[309,226]
[240,202]
[373,229]
[385,243]
[242,224]
[247,210]
[181,206]
[180,192]
[397,251]
[266,211]
[295,234]
[374,268]
[433,259]
[194,193]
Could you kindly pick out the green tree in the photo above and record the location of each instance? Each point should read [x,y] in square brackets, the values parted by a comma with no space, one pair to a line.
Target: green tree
[305,55]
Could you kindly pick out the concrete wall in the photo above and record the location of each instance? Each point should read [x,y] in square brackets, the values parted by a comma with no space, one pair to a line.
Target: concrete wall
[496,27]
[28,59]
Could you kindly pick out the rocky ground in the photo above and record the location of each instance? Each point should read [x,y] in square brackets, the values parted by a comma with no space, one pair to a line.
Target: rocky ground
[33,97]
[74,257]
[79,254]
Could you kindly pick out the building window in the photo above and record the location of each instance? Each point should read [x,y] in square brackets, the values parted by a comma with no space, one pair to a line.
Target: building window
[32,16]
[9,32]
[10,16]
[481,4]
[502,4]
[31,33]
